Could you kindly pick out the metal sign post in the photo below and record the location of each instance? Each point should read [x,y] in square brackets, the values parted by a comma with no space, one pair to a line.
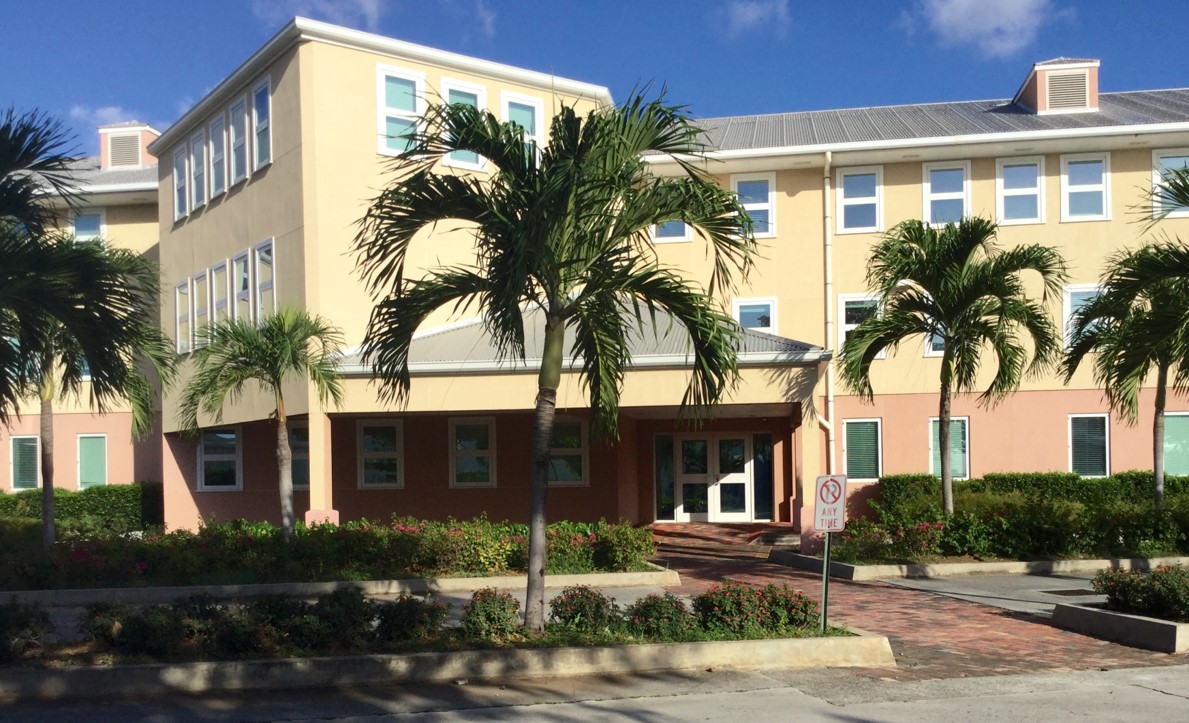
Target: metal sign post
[829,516]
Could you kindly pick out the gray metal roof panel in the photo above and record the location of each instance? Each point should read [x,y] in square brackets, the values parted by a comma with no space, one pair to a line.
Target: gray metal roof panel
[86,172]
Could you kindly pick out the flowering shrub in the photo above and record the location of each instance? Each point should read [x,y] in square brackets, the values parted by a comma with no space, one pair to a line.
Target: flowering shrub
[786,608]
[732,607]
[491,615]
[584,609]
[1162,593]
[409,619]
[661,617]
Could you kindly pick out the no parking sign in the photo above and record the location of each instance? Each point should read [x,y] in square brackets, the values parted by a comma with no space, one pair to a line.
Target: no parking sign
[830,503]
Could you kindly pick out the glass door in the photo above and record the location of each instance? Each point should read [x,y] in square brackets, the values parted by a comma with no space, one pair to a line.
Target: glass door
[732,493]
[693,479]
[714,478]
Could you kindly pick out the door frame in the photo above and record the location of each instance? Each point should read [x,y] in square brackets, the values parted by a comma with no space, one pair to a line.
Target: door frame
[713,478]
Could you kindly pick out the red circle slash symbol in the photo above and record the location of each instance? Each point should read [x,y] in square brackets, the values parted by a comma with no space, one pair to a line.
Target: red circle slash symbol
[831,491]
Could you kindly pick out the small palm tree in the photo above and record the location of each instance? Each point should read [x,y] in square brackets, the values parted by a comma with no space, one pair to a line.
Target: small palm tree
[954,286]
[562,231]
[35,157]
[231,353]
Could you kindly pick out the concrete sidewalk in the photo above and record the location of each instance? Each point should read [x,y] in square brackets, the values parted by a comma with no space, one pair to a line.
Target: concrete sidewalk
[1029,594]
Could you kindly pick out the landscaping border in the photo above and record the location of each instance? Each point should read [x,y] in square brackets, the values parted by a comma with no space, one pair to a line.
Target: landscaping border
[657,576]
[846,571]
[1138,631]
[862,650]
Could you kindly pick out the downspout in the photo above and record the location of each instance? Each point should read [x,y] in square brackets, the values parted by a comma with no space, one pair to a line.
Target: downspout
[827,424]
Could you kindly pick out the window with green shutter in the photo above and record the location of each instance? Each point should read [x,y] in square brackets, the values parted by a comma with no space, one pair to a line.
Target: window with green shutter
[1176,444]
[1088,445]
[959,442]
[24,463]
[862,448]
[92,460]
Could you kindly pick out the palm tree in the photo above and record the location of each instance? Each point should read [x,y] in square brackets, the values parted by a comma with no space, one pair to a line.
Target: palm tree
[35,158]
[232,352]
[953,285]
[561,231]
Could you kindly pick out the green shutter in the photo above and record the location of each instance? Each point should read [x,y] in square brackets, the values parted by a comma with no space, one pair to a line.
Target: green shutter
[92,461]
[862,450]
[24,463]
[958,457]
[1176,444]
[1088,446]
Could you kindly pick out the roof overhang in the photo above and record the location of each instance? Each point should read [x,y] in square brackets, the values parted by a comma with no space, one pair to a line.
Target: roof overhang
[111,194]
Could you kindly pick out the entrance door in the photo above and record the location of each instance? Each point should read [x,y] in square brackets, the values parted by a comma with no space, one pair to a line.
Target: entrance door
[714,478]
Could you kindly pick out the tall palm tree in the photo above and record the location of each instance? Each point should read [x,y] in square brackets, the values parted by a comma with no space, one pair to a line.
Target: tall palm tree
[230,353]
[955,286]
[35,158]
[562,231]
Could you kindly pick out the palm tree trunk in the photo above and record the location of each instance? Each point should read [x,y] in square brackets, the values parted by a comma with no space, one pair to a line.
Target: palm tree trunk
[547,384]
[943,438]
[48,528]
[284,470]
[1158,434]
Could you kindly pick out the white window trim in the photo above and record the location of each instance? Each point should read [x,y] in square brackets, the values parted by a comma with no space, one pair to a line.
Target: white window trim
[259,287]
[256,164]
[238,457]
[242,105]
[456,453]
[686,238]
[567,451]
[928,196]
[234,297]
[1001,192]
[841,202]
[878,446]
[180,315]
[538,105]
[770,177]
[737,305]
[78,462]
[1067,306]
[480,93]
[398,455]
[930,352]
[220,120]
[197,303]
[1105,186]
[12,482]
[181,184]
[382,111]
[1069,436]
[1158,179]
[299,455]
[843,327]
[214,308]
[197,165]
[95,211]
[966,431]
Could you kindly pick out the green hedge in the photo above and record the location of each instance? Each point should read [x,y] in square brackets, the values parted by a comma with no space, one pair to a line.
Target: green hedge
[118,508]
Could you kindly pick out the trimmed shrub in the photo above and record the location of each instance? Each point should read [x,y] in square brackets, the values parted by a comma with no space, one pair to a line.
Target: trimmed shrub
[156,630]
[900,491]
[584,609]
[22,628]
[732,607]
[491,615]
[787,608]
[659,617]
[623,547]
[345,619]
[1162,593]
[409,619]
[113,509]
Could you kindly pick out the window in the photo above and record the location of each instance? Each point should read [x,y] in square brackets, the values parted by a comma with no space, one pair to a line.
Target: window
[475,96]
[757,193]
[401,102]
[1085,187]
[219,460]
[241,282]
[959,447]
[1074,297]
[1019,186]
[201,310]
[88,225]
[1089,445]
[92,460]
[526,112]
[756,314]
[935,345]
[860,192]
[1176,443]
[567,453]
[218,168]
[197,170]
[239,141]
[299,446]
[265,296]
[262,124]
[381,453]
[219,292]
[182,331]
[472,452]
[24,466]
[670,232]
[854,309]
[947,192]
[179,183]
[1163,163]
[862,449]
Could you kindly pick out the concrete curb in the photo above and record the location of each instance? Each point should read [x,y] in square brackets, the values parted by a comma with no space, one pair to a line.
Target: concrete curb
[152,680]
[846,571]
[658,576]
[1137,631]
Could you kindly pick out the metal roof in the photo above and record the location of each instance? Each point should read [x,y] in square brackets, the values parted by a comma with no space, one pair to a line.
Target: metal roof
[937,120]
[87,174]
[1066,61]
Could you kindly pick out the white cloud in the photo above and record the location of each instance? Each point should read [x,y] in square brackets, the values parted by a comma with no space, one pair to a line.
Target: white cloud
[363,14]
[745,16]
[486,17]
[102,116]
[998,29]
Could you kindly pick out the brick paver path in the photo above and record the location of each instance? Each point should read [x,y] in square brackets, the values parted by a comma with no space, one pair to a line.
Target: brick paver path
[932,636]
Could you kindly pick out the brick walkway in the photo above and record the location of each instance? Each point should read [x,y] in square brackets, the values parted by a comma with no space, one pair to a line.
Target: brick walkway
[932,636]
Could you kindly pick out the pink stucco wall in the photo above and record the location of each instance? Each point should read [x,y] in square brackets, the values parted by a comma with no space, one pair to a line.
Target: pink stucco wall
[127,460]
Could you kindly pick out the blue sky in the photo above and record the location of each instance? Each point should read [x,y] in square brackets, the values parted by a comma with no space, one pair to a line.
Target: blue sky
[99,61]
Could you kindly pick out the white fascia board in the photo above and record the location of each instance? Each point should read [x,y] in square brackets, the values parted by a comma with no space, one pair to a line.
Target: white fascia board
[118,187]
